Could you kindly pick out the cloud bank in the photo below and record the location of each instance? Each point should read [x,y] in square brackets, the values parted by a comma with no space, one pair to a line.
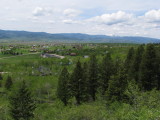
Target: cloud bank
[113,18]
[109,17]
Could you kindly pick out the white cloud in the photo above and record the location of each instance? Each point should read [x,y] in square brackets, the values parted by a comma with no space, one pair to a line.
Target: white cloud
[12,19]
[51,21]
[69,21]
[78,16]
[7,8]
[71,12]
[153,16]
[113,18]
[39,11]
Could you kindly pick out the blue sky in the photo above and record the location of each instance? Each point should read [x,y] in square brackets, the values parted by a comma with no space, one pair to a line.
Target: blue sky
[108,17]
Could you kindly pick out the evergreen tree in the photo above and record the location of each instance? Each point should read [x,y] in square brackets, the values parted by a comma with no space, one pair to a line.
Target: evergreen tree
[158,68]
[157,65]
[106,72]
[93,77]
[117,87]
[129,60]
[135,67]
[8,83]
[133,92]
[78,83]
[63,91]
[116,65]
[148,72]
[158,75]
[1,78]
[22,104]
[85,82]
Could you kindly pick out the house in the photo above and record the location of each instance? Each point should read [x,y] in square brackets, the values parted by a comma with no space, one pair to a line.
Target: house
[86,56]
[33,51]
[46,55]
[41,71]
[73,54]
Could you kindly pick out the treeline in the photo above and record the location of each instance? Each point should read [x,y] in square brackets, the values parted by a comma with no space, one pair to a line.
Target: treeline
[11,52]
[7,83]
[111,78]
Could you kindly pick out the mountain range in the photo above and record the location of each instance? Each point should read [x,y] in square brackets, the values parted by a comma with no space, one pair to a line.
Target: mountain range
[25,36]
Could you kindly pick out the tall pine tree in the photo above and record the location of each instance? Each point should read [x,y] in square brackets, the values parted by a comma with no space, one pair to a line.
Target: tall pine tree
[106,72]
[129,60]
[86,82]
[63,90]
[116,65]
[148,74]
[135,67]
[8,83]
[78,83]
[158,66]
[22,104]
[1,78]
[93,77]
[117,86]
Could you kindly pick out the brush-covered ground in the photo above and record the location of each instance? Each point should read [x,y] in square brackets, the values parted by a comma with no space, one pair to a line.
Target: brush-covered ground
[41,75]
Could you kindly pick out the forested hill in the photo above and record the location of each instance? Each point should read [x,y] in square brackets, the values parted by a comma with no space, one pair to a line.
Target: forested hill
[7,36]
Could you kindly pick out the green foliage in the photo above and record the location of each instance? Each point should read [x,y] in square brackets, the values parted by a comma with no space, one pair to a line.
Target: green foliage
[8,83]
[149,99]
[125,100]
[133,92]
[106,72]
[63,90]
[1,78]
[148,71]
[93,77]
[78,83]
[86,95]
[22,104]
[117,87]
[135,67]
[116,65]
[129,59]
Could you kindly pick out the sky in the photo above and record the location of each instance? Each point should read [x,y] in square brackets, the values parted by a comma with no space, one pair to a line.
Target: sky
[107,17]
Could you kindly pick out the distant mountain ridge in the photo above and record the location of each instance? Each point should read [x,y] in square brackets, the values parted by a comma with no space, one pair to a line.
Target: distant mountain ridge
[8,35]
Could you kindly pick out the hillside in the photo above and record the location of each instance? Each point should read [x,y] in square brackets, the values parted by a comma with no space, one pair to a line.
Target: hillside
[7,36]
